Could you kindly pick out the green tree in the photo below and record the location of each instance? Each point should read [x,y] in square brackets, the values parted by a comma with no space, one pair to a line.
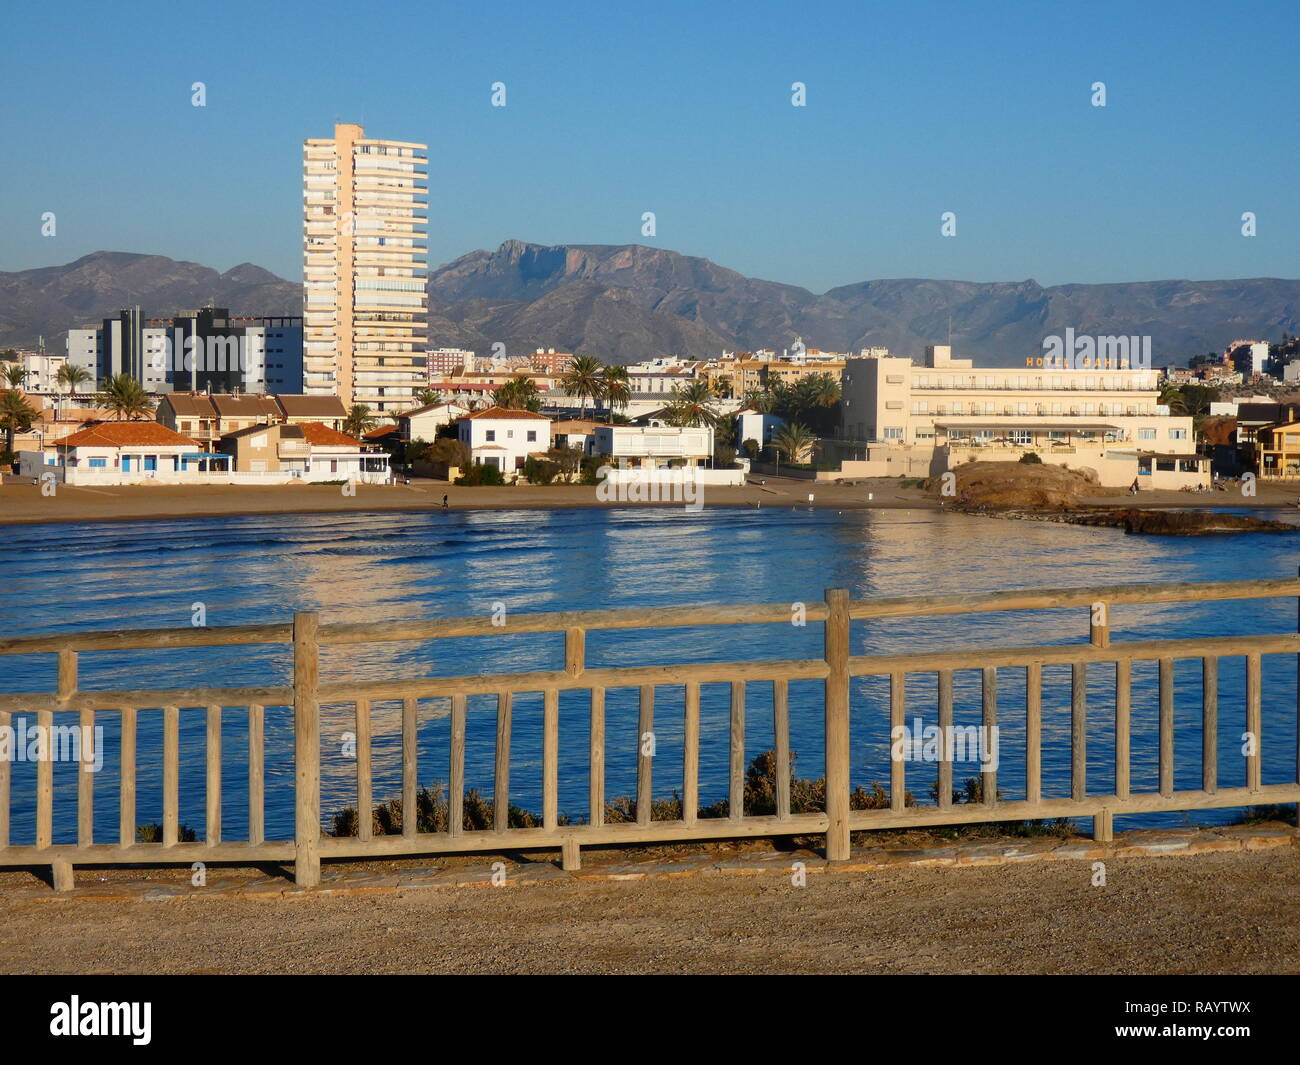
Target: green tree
[427,397]
[14,374]
[71,376]
[126,398]
[16,416]
[520,393]
[692,405]
[616,389]
[360,420]
[585,379]
[795,442]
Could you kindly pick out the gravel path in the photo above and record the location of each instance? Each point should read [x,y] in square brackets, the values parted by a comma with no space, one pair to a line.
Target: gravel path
[1211,913]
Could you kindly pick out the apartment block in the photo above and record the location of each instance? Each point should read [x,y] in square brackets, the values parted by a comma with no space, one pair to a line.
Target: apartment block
[194,350]
[365,261]
[922,419]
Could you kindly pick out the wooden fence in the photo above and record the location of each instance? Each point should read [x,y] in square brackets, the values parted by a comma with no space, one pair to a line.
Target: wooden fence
[835,668]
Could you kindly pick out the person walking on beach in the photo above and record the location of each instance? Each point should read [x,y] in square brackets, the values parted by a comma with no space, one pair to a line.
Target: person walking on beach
[444,501]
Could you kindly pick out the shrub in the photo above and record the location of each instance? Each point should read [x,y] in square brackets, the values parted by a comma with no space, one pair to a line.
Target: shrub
[1031,457]
[480,474]
[153,833]
[540,471]
[431,815]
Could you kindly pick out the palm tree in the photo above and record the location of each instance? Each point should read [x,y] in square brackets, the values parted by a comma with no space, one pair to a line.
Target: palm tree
[16,416]
[15,375]
[692,406]
[125,397]
[585,379]
[1171,396]
[757,399]
[795,442]
[616,388]
[427,397]
[71,376]
[359,421]
[519,393]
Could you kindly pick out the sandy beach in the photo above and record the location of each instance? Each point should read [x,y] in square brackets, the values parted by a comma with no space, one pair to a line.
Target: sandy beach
[22,502]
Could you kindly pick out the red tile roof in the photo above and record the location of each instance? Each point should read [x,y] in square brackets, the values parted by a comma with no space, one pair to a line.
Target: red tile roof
[126,434]
[504,412]
[321,435]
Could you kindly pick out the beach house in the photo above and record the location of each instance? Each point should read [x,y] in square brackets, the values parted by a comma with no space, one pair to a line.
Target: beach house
[504,438]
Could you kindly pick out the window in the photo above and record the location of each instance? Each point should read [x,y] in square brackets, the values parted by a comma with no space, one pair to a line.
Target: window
[532,435]
[491,435]
[1022,436]
[1146,434]
[1177,434]
[893,434]
[97,464]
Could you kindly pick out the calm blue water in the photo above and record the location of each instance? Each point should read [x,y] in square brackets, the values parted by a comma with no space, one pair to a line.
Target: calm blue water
[367,567]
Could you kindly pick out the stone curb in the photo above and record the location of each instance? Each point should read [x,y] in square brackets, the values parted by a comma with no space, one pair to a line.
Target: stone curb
[1137,844]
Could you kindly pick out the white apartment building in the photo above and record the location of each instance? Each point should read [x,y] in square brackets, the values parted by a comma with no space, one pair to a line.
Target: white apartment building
[365,260]
[922,419]
[42,372]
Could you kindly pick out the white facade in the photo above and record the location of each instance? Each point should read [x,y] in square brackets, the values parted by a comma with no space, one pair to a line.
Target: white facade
[505,438]
[752,425]
[654,445]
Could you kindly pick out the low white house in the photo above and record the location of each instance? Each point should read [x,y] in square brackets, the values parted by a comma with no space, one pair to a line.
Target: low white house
[505,438]
[125,453]
[654,445]
[755,425]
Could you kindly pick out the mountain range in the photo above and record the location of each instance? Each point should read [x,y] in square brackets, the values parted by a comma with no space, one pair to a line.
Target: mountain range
[624,303]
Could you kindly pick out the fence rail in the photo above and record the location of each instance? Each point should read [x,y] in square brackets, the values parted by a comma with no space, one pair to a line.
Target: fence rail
[836,669]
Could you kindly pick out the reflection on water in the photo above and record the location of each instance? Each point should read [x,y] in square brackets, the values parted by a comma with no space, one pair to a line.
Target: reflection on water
[394,567]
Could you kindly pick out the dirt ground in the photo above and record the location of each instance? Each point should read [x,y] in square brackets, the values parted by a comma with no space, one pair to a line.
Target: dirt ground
[22,503]
[1221,913]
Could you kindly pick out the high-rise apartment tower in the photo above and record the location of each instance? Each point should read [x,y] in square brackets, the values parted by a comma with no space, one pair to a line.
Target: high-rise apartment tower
[365,261]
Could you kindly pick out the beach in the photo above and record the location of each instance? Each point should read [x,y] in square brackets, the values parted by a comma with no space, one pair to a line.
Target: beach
[21,502]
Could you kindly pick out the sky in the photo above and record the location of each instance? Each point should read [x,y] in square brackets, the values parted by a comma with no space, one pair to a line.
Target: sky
[683,109]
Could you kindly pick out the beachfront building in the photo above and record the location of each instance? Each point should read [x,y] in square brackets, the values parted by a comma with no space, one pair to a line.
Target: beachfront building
[423,423]
[364,252]
[654,446]
[310,452]
[505,438]
[757,426]
[1278,448]
[906,419]
[579,433]
[117,453]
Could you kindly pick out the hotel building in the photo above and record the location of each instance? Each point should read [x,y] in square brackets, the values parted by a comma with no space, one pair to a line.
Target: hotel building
[365,261]
[919,420]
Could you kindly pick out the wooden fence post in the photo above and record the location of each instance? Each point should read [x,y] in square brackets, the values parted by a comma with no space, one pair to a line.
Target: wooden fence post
[306,750]
[836,649]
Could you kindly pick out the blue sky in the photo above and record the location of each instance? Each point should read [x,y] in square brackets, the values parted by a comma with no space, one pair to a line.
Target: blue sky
[682,109]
